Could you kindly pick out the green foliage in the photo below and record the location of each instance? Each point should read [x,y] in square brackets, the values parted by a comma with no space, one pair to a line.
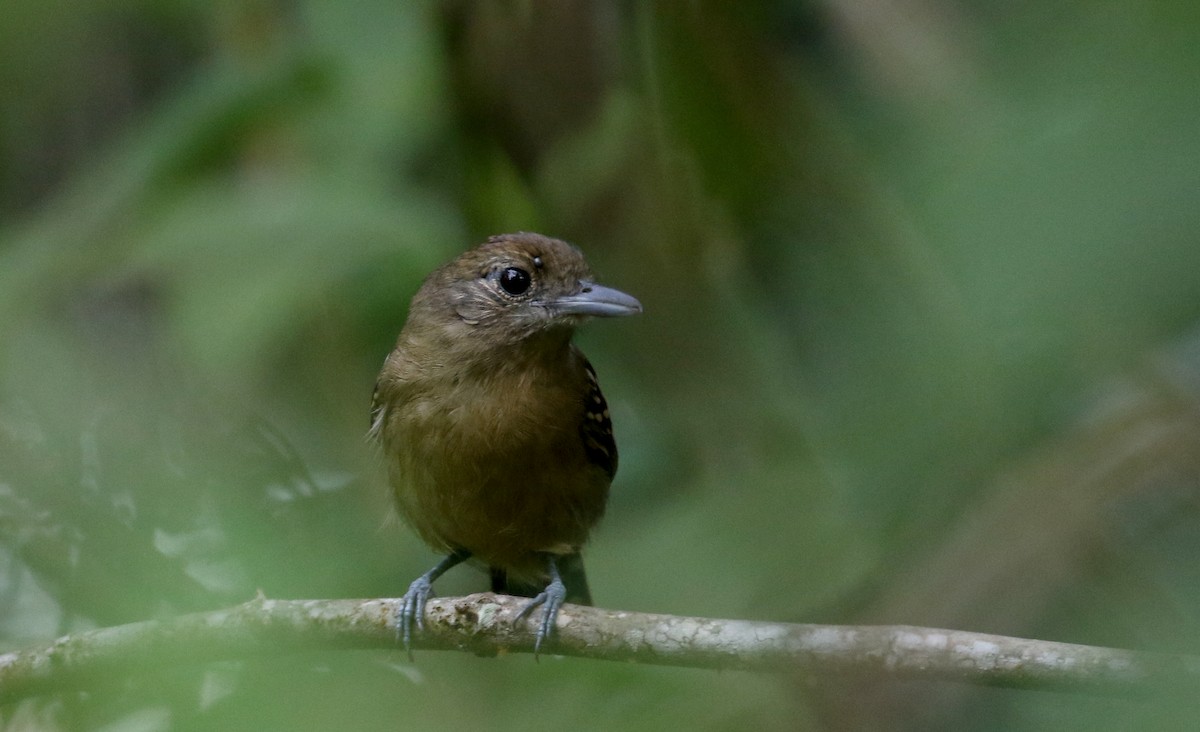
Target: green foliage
[888,262]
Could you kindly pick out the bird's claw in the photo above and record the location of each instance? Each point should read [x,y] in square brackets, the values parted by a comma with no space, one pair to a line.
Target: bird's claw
[412,608]
[553,598]
[412,605]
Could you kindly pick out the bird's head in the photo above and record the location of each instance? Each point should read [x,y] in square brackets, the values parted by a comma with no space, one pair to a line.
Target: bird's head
[515,287]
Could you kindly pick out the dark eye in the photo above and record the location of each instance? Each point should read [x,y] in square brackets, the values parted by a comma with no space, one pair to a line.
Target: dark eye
[514,281]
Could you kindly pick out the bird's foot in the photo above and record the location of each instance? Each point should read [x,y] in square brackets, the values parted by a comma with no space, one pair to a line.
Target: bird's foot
[412,605]
[412,609]
[552,597]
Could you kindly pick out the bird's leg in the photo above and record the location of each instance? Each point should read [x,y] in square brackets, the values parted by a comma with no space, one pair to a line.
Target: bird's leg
[552,597]
[412,605]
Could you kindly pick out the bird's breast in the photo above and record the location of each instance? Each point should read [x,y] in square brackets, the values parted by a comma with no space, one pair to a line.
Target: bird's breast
[496,465]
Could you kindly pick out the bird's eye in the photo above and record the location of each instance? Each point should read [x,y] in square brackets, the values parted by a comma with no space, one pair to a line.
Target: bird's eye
[514,281]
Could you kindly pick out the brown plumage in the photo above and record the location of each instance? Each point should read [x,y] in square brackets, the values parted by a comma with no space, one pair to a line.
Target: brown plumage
[496,434]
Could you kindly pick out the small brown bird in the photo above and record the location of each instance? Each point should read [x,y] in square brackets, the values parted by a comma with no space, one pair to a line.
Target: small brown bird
[497,438]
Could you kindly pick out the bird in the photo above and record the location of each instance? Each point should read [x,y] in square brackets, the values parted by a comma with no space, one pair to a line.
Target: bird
[496,436]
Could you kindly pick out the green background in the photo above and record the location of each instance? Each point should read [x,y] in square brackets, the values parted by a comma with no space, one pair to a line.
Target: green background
[921,284]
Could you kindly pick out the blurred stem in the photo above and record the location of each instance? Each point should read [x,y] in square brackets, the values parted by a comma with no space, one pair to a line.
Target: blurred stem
[486,624]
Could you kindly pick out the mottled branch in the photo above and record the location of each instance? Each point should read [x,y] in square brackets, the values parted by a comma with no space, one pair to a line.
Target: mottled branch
[484,624]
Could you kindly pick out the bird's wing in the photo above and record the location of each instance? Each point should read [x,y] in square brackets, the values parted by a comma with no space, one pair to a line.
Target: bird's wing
[596,428]
[378,411]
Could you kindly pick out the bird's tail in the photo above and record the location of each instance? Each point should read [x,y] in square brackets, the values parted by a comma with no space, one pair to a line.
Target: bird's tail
[570,568]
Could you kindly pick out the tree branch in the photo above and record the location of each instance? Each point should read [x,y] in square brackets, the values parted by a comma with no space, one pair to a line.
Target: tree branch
[484,624]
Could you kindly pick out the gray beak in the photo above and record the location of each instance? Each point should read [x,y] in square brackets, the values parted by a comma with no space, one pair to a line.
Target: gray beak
[599,301]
